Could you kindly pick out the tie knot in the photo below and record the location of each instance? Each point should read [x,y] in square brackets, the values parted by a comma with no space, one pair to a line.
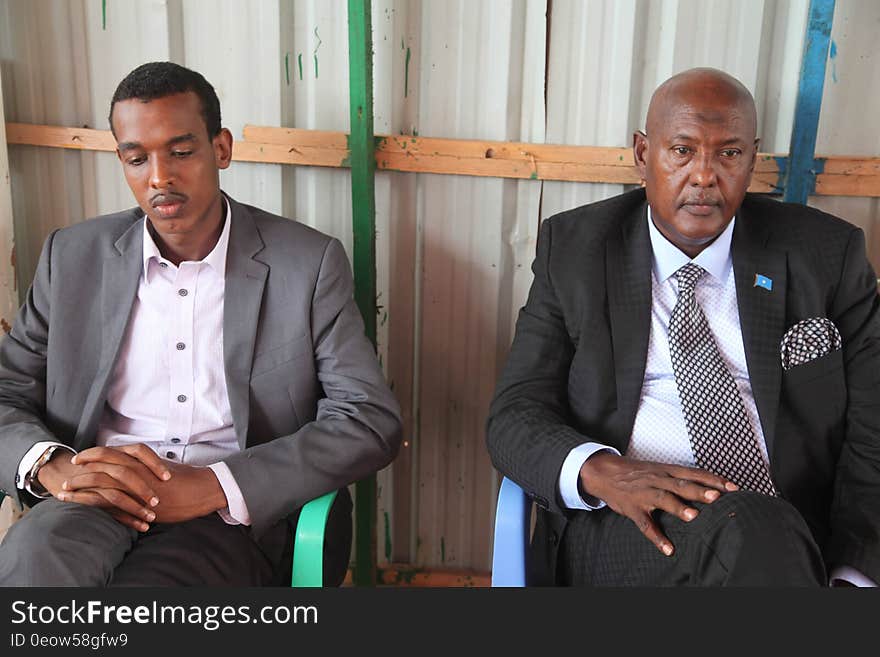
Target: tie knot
[688,276]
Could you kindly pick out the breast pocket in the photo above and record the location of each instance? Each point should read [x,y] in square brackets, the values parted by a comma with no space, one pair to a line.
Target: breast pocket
[817,389]
[276,373]
[271,359]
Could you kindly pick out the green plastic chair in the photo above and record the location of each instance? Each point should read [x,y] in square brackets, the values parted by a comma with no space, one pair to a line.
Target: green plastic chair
[308,542]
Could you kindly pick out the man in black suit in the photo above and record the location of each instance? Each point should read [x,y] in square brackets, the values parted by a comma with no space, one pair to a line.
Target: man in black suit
[690,397]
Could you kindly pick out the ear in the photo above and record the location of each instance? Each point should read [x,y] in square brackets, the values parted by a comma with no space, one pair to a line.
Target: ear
[640,147]
[222,144]
[755,155]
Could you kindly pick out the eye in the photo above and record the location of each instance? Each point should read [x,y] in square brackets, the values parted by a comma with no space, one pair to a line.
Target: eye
[181,153]
[136,160]
[731,152]
[681,150]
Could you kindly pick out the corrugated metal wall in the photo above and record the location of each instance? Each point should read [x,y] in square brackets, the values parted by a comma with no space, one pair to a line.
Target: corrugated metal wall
[453,252]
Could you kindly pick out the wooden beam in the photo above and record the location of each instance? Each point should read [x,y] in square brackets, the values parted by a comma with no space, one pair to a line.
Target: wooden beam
[839,175]
[406,575]
[56,136]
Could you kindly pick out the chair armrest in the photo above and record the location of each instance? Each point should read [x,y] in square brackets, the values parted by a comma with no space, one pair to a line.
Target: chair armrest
[512,520]
[308,542]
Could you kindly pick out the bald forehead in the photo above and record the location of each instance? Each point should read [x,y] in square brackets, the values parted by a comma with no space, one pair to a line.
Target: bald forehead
[708,94]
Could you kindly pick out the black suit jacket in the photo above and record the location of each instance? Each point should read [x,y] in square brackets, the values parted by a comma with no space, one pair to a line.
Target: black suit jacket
[577,362]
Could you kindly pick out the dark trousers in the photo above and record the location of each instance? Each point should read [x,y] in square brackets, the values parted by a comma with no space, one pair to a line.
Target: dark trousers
[65,544]
[741,539]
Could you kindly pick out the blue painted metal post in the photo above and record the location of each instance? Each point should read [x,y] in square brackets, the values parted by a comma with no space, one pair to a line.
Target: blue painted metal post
[802,167]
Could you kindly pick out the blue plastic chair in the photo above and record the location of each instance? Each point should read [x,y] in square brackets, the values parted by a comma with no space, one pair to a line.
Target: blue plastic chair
[512,521]
[308,541]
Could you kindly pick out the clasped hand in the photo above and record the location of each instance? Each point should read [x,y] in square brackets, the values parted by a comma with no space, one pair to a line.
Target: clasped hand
[133,484]
[636,488]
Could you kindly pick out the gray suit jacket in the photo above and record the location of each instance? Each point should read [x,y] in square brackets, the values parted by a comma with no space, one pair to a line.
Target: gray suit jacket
[310,406]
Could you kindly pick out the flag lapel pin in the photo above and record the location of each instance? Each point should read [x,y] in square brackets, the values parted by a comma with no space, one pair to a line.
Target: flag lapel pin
[763,281]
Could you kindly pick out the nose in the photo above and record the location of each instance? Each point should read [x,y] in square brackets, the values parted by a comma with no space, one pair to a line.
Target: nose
[703,171]
[161,175]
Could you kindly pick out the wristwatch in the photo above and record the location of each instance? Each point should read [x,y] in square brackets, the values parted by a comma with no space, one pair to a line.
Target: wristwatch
[31,483]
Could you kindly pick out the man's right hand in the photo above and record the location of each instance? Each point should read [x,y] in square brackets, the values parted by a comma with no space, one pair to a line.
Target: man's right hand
[115,482]
[636,488]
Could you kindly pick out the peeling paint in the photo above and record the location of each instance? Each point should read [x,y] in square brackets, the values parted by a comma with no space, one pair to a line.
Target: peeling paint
[315,51]
[387,537]
[406,75]
[833,55]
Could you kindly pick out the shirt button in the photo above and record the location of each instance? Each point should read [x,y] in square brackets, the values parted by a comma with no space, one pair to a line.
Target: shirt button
[180,346]
[175,440]
[169,455]
[181,398]
[182,292]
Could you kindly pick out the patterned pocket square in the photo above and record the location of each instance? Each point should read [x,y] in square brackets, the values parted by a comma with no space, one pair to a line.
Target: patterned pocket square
[808,340]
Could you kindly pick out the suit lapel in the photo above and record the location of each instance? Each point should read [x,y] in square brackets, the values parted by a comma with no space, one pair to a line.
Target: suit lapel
[119,284]
[628,275]
[761,313]
[245,281]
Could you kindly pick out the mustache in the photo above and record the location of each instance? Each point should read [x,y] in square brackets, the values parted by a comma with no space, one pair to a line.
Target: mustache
[702,200]
[165,198]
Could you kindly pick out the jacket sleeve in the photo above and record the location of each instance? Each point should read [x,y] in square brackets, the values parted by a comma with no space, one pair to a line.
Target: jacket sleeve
[855,512]
[529,431]
[357,429]
[23,376]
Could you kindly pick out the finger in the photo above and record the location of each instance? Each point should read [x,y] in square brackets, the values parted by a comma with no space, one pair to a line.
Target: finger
[108,498]
[129,521]
[704,477]
[652,532]
[122,456]
[129,479]
[686,489]
[149,458]
[99,479]
[671,503]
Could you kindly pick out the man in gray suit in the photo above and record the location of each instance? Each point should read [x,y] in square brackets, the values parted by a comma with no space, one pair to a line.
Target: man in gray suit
[185,375]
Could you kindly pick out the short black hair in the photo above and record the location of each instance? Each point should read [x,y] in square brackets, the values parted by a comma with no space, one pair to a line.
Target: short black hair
[161,79]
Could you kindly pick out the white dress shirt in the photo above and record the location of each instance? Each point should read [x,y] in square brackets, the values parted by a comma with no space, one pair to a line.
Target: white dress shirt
[659,431]
[168,386]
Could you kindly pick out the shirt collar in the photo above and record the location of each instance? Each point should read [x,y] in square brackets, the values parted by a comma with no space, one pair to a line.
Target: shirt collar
[216,259]
[668,259]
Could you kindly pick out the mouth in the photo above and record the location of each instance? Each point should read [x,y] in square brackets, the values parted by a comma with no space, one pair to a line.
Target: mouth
[168,205]
[701,207]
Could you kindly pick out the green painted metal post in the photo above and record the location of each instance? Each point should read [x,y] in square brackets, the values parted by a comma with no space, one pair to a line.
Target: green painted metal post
[363,207]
